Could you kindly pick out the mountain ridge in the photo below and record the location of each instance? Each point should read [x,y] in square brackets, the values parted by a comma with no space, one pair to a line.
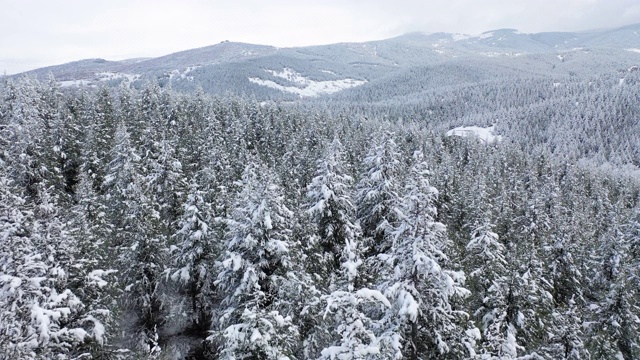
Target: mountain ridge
[253,69]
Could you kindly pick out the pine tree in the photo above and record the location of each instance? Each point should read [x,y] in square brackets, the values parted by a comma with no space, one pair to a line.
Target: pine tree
[332,210]
[377,195]
[615,325]
[141,246]
[345,316]
[41,317]
[487,281]
[254,267]
[93,277]
[193,259]
[423,287]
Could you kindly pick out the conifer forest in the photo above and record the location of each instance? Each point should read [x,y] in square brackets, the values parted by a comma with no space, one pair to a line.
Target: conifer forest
[144,222]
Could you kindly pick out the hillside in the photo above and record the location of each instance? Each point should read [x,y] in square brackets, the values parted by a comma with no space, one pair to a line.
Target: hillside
[256,70]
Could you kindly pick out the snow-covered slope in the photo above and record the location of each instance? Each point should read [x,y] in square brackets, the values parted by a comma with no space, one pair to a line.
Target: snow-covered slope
[485,135]
[303,86]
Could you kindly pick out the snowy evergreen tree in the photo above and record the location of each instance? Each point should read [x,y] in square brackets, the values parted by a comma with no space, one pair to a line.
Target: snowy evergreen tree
[141,246]
[615,328]
[255,265]
[194,254]
[41,316]
[377,195]
[488,282]
[93,277]
[345,316]
[424,323]
[331,209]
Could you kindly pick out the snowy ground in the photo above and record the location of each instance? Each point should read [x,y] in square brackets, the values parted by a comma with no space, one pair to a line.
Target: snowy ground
[70,83]
[101,76]
[484,134]
[306,87]
[106,76]
[184,74]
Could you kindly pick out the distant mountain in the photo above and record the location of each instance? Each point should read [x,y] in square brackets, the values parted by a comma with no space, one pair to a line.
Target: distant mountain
[267,72]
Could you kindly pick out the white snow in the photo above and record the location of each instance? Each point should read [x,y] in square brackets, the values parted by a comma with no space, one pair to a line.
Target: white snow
[181,274]
[11,283]
[635,50]
[106,76]
[233,262]
[268,224]
[309,88]
[79,333]
[352,267]
[98,329]
[484,134]
[408,305]
[255,335]
[373,295]
[510,346]
[494,54]
[328,72]
[460,37]
[247,53]
[95,277]
[184,74]
[485,35]
[101,76]
[334,352]
[70,83]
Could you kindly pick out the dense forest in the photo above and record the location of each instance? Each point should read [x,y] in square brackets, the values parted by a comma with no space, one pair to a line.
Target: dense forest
[149,224]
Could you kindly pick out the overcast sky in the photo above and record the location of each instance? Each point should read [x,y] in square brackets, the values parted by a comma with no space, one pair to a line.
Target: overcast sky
[36,33]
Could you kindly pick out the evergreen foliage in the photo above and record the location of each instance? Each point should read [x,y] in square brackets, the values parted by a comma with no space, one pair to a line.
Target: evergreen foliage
[151,224]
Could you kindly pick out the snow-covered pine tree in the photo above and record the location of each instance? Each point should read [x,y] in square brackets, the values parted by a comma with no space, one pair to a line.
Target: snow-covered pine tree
[377,195]
[345,317]
[100,122]
[424,322]
[254,267]
[193,259]
[163,171]
[23,147]
[141,246]
[565,328]
[529,298]
[41,317]
[93,277]
[614,323]
[376,201]
[331,209]
[486,263]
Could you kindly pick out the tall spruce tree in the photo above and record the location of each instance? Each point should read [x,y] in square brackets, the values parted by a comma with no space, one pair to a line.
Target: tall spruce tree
[254,267]
[423,286]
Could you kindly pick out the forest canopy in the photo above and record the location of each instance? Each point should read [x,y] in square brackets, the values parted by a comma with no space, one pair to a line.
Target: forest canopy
[154,224]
